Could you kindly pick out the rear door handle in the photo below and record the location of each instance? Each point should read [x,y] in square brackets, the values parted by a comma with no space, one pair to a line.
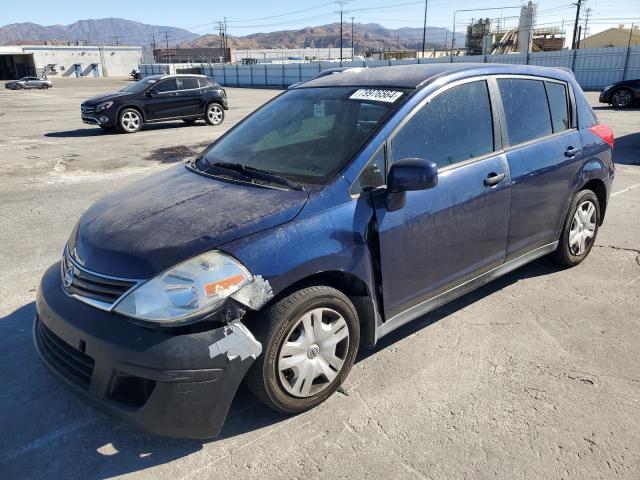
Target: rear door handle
[493,179]
[571,152]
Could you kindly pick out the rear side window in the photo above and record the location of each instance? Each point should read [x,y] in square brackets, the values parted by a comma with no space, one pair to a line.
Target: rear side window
[189,83]
[205,82]
[453,127]
[558,106]
[525,108]
[169,85]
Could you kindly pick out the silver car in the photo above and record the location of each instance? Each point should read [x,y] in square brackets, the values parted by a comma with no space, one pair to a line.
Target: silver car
[28,82]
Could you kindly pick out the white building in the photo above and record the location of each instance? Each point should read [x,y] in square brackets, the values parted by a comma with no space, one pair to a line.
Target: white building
[68,61]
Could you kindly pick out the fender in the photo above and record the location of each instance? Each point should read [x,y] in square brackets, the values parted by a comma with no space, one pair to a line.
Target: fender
[323,240]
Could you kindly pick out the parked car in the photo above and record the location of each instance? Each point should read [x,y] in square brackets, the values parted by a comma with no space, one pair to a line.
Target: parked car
[28,82]
[158,98]
[332,215]
[135,74]
[622,94]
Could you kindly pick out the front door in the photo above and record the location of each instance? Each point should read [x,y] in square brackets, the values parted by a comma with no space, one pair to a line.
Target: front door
[544,154]
[450,233]
[164,101]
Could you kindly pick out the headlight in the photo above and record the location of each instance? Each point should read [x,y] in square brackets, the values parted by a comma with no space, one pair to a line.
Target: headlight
[608,87]
[187,290]
[103,106]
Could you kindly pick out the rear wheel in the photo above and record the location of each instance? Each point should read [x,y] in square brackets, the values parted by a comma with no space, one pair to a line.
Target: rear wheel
[214,114]
[310,339]
[579,231]
[622,98]
[130,120]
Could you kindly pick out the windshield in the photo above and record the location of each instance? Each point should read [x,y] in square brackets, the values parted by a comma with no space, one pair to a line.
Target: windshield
[140,86]
[306,135]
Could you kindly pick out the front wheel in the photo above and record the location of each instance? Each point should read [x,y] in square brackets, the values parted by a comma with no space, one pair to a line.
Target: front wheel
[579,231]
[310,339]
[622,98]
[130,120]
[214,114]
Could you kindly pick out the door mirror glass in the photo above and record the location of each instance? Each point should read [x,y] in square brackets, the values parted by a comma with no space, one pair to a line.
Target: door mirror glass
[410,174]
[151,92]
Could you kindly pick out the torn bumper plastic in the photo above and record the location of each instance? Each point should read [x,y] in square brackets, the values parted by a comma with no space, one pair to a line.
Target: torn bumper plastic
[171,385]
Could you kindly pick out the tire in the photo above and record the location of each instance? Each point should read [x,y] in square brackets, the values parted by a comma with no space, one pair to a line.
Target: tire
[622,98]
[579,231]
[43,86]
[130,120]
[284,322]
[214,114]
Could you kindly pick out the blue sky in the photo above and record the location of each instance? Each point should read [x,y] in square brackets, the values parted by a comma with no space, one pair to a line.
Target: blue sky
[249,16]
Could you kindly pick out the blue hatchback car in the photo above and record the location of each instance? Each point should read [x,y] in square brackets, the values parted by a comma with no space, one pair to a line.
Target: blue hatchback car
[339,211]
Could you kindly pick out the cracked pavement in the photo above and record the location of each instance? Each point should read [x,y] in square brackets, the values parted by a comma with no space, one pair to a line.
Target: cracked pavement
[533,376]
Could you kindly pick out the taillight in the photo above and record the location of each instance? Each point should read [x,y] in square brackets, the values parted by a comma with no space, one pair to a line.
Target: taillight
[604,132]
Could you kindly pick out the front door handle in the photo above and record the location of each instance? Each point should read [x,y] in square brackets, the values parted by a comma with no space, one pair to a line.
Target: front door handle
[571,152]
[493,179]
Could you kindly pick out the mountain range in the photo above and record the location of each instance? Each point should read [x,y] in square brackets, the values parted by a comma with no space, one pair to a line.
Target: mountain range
[370,36]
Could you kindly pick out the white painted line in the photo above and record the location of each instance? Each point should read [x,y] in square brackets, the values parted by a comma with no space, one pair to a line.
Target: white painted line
[624,190]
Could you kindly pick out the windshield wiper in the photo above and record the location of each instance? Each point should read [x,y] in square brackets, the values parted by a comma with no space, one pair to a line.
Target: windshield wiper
[258,174]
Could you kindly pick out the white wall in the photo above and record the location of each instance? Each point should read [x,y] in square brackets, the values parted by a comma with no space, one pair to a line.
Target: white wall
[118,61]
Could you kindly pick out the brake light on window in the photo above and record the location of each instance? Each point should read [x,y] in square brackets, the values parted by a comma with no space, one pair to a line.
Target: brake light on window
[604,132]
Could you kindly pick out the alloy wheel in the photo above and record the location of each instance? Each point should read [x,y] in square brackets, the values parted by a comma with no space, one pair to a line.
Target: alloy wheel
[583,227]
[313,353]
[215,115]
[130,121]
[621,98]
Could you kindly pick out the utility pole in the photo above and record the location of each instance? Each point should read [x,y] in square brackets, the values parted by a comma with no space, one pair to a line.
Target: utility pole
[575,25]
[424,28]
[221,34]
[116,39]
[153,46]
[341,3]
[353,49]
[579,35]
[166,39]
[586,23]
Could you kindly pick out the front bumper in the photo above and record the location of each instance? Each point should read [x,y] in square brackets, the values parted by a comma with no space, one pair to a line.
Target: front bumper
[605,96]
[171,385]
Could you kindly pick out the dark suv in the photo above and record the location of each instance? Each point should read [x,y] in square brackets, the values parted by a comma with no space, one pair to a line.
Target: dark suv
[344,208]
[158,98]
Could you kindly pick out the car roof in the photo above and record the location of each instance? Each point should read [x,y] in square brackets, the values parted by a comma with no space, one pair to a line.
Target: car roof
[417,75]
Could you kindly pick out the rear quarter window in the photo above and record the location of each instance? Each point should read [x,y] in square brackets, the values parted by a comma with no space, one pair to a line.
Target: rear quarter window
[586,117]
[558,105]
[525,108]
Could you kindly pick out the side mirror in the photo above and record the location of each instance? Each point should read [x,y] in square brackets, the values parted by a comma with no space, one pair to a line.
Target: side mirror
[151,92]
[410,174]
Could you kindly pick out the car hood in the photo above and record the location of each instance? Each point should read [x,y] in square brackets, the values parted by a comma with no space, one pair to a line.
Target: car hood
[106,96]
[172,216]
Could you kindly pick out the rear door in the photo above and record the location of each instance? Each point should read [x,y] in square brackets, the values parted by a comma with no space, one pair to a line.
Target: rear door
[458,229]
[544,151]
[165,101]
[191,96]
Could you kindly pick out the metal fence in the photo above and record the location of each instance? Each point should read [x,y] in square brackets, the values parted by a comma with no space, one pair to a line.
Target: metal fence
[594,68]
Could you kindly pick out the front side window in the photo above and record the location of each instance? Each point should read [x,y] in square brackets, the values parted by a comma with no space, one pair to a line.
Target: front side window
[455,126]
[525,108]
[558,106]
[140,86]
[306,134]
[169,85]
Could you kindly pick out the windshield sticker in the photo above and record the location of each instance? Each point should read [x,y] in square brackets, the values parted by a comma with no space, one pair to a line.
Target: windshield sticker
[388,96]
[318,109]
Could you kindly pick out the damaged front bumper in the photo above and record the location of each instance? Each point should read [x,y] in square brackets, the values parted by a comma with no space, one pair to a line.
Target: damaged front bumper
[166,384]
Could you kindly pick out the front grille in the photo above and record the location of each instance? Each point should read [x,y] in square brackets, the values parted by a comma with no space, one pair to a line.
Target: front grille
[105,291]
[72,363]
[86,110]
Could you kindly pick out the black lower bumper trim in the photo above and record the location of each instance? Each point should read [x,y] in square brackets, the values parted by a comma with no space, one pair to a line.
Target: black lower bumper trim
[170,385]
